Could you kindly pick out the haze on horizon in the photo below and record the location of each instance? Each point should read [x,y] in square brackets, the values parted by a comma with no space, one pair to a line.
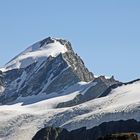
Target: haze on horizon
[104,33]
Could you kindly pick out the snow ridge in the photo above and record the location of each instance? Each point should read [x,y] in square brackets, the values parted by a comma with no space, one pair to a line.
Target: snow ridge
[37,53]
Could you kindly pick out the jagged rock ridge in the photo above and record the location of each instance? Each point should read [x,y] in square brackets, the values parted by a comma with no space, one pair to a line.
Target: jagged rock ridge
[107,128]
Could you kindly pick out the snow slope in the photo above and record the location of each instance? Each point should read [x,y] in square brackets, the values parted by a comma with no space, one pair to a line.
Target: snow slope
[36,53]
[20,121]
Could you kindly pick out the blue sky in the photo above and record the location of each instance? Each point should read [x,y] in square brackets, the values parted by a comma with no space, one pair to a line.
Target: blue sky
[105,33]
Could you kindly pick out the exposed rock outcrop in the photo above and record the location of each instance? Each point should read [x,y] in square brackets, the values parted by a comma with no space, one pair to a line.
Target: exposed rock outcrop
[97,90]
[1,78]
[98,132]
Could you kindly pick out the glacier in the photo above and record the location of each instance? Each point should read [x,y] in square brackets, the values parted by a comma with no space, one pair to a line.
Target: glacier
[23,121]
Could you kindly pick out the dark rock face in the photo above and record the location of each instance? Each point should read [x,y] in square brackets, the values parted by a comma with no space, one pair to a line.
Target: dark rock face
[115,127]
[121,136]
[51,76]
[1,79]
[46,41]
[78,66]
[51,133]
[98,132]
[102,85]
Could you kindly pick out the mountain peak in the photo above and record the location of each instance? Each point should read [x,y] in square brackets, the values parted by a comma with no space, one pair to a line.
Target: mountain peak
[48,66]
[50,40]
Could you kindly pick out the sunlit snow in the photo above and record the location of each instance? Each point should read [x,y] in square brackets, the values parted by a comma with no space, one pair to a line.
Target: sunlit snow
[20,121]
[35,53]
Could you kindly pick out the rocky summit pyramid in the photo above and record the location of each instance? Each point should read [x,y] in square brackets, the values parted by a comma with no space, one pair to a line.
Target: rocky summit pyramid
[49,66]
[48,85]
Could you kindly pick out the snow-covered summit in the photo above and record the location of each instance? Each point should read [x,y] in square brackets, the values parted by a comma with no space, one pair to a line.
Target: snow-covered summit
[38,52]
